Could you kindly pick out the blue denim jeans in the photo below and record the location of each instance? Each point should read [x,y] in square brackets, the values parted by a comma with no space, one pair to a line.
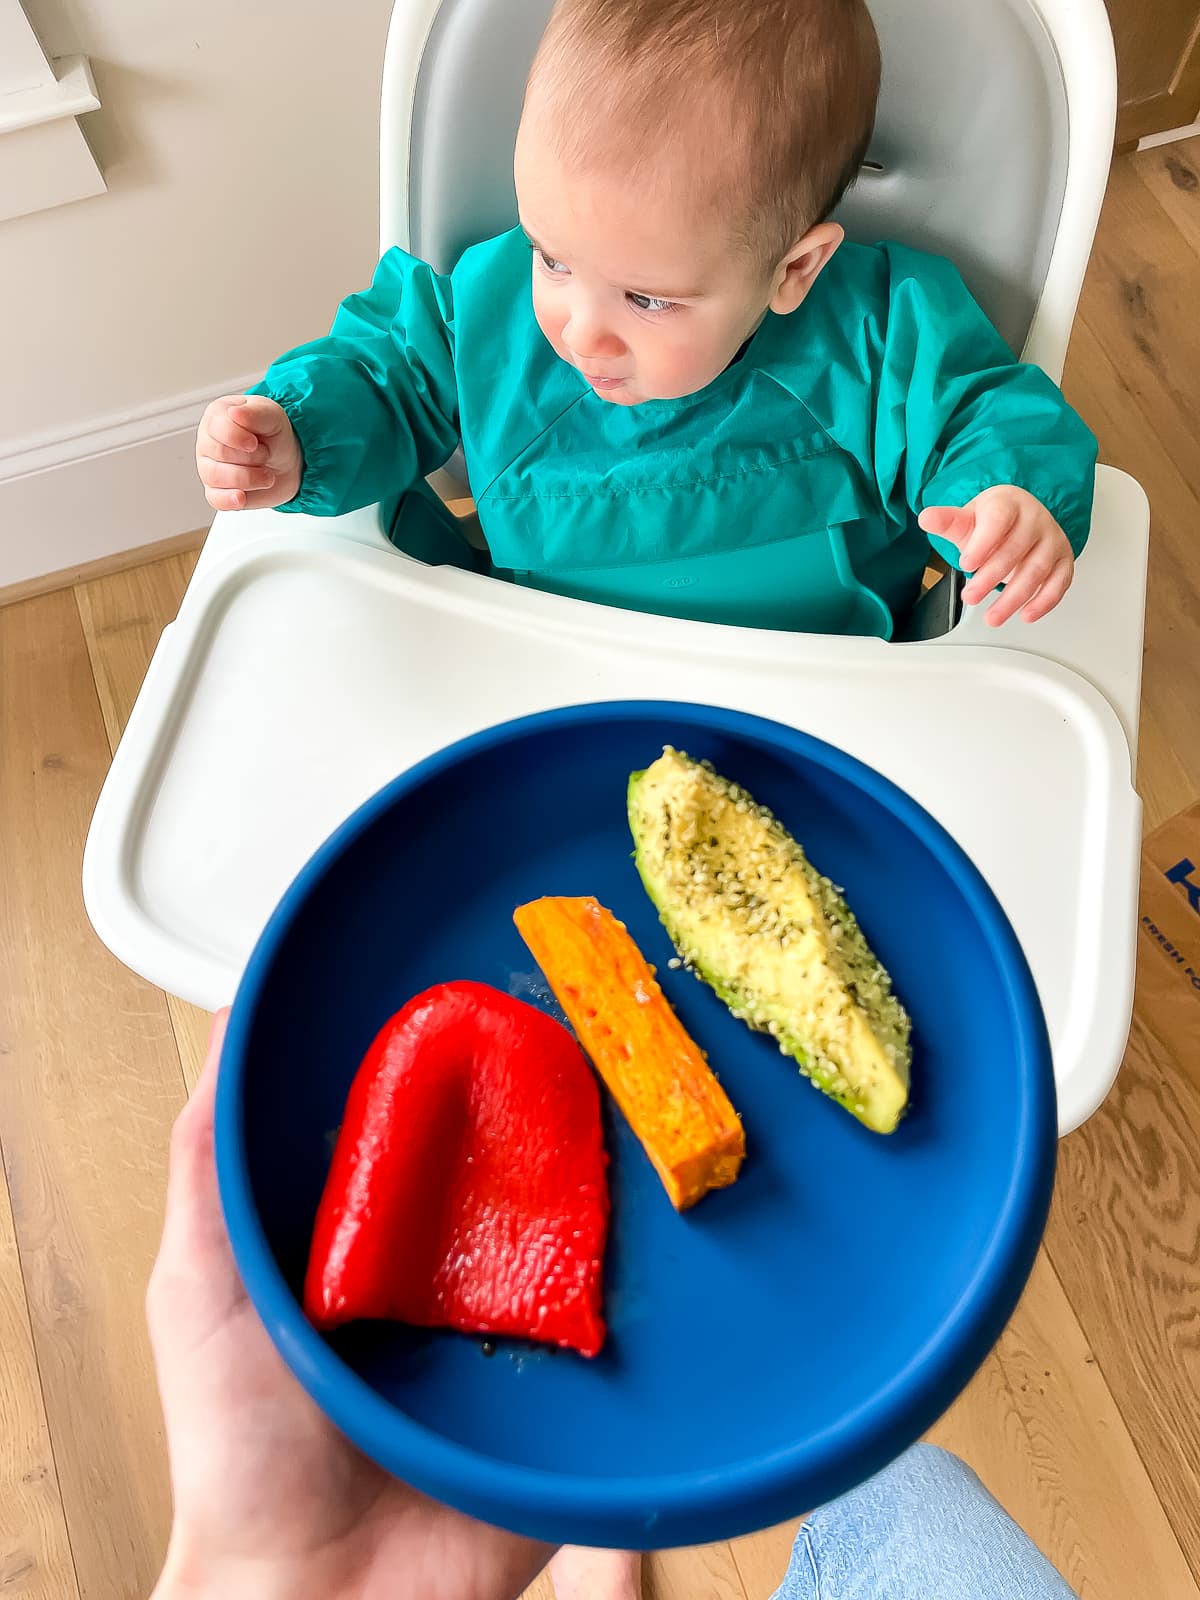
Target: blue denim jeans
[924,1529]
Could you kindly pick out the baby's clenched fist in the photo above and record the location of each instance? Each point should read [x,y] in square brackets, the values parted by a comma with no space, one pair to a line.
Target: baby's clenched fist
[247,454]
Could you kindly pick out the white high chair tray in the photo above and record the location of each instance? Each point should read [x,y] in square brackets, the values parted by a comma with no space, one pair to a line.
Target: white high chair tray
[303,673]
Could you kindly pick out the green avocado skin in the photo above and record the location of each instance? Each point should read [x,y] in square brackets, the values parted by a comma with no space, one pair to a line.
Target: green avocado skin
[717,967]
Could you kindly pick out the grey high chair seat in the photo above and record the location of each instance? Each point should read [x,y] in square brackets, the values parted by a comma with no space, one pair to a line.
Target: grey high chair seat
[311,661]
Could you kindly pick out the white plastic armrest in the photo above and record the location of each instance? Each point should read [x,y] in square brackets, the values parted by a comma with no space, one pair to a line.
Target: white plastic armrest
[233,529]
[1097,629]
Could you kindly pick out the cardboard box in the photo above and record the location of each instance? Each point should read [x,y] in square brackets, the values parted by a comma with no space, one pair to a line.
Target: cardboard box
[1169,971]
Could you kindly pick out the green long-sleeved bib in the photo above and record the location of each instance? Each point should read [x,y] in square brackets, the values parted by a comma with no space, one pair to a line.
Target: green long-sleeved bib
[783,495]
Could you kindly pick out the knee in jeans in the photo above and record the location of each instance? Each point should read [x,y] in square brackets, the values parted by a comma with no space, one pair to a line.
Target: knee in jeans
[928,1469]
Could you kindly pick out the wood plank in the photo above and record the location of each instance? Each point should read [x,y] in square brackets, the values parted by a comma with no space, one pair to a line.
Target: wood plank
[709,1571]
[1126,1218]
[1138,298]
[762,1559]
[1171,173]
[1166,763]
[35,1552]
[90,1088]
[705,1573]
[67,577]
[1125,1239]
[191,1028]
[1132,430]
[123,615]
[1050,1443]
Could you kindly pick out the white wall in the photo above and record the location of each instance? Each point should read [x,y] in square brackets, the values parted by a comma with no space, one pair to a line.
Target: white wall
[238,140]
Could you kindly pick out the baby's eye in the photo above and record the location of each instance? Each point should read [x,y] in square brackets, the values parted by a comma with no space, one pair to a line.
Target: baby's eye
[550,264]
[647,302]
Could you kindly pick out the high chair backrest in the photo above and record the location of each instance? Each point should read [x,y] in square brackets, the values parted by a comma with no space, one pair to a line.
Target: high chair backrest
[992,143]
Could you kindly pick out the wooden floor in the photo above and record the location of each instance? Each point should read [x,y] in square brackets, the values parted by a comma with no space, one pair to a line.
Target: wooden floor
[1086,1418]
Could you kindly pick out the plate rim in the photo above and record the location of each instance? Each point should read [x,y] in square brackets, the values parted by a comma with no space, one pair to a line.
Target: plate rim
[705,1504]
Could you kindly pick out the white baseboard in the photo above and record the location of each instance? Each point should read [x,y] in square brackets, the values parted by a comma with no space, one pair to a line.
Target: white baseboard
[113,485]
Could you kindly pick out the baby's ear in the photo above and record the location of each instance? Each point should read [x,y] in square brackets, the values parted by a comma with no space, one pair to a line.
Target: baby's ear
[801,267]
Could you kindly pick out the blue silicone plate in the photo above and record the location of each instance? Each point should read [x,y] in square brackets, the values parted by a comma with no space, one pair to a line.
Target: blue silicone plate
[787,1337]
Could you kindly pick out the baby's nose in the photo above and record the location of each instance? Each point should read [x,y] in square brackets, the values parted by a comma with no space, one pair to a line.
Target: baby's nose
[592,341]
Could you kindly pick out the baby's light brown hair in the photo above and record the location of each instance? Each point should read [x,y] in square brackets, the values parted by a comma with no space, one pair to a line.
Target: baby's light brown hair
[776,99]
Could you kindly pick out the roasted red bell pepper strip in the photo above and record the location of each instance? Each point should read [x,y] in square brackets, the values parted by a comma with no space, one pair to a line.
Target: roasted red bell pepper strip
[468,1188]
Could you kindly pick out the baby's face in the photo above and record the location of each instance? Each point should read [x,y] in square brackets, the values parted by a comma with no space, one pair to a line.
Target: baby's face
[628,285]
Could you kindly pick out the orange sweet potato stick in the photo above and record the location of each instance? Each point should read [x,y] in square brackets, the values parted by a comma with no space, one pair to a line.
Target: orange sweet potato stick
[654,1070]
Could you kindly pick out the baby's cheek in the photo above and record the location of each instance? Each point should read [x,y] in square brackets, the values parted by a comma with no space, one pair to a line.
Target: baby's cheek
[684,368]
[550,324]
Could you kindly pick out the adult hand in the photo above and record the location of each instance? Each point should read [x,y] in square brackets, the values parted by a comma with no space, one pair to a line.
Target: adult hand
[247,454]
[271,1501]
[1005,535]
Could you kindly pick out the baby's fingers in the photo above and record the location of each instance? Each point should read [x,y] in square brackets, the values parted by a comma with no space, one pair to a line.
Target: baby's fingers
[220,425]
[984,534]
[996,524]
[1003,564]
[1051,592]
[1025,582]
[955,523]
[228,487]
[227,475]
[257,412]
[243,499]
[226,499]
[211,450]
[263,499]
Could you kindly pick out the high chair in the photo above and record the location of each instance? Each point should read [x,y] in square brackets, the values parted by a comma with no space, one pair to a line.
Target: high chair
[311,661]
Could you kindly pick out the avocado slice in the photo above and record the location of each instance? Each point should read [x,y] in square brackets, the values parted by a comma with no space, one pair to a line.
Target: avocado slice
[750,915]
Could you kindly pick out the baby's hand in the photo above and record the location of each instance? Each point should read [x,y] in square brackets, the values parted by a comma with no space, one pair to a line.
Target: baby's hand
[1005,535]
[247,454]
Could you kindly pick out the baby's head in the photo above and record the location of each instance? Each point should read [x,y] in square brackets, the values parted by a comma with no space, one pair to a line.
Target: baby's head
[676,163]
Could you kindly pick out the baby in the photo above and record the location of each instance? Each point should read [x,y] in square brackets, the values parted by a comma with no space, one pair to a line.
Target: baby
[676,388]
